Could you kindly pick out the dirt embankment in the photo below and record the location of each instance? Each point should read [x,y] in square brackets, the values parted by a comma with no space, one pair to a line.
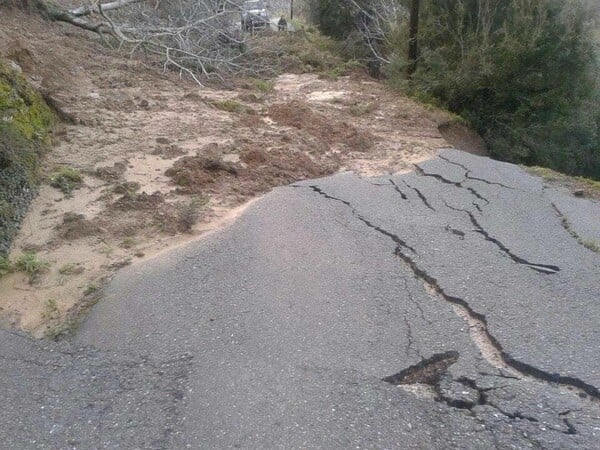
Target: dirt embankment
[163,160]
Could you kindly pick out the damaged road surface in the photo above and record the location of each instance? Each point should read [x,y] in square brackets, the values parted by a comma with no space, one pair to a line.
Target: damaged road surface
[446,308]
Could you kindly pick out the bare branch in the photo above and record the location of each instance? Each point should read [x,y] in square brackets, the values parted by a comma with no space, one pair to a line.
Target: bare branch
[89,9]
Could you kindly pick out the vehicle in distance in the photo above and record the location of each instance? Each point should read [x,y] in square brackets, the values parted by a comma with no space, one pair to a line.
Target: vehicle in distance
[255,15]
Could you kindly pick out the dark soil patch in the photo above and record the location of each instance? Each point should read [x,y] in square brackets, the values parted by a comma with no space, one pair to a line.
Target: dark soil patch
[112,173]
[139,201]
[260,169]
[463,138]
[76,226]
[298,115]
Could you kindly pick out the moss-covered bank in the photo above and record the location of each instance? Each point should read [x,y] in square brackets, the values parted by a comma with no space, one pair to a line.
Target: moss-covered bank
[25,126]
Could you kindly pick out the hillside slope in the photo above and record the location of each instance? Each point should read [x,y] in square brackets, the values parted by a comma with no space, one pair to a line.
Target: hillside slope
[164,160]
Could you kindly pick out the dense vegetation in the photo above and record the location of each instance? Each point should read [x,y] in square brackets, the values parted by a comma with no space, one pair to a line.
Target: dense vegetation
[25,124]
[524,73]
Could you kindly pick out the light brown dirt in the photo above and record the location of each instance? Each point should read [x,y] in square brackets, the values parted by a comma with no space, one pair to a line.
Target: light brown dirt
[149,142]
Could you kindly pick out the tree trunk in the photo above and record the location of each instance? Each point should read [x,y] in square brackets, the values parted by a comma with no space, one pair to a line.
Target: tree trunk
[413,31]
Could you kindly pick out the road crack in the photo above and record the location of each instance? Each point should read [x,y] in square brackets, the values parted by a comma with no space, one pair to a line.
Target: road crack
[542,268]
[398,190]
[489,347]
[420,195]
[458,184]
[564,221]
[469,177]
[392,236]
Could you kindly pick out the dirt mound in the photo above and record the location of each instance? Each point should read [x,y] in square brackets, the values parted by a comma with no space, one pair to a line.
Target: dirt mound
[301,116]
[75,226]
[132,202]
[257,169]
[193,173]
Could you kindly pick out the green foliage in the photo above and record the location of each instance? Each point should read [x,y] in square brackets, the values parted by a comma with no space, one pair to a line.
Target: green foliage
[336,18]
[5,266]
[91,288]
[25,126]
[66,179]
[51,310]
[523,73]
[314,52]
[31,265]
[228,105]
[68,269]
[22,107]
[189,212]
[591,245]
[262,85]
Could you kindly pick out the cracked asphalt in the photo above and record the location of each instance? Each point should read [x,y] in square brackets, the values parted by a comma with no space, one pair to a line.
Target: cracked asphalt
[446,308]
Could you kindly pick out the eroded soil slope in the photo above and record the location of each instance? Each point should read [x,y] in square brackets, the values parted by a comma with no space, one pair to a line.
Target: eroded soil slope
[164,160]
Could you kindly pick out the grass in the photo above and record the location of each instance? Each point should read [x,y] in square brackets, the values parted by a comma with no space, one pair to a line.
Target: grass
[30,264]
[5,266]
[106,250]
[262,85]
[70,269]
[128,243]
[361,109]
[188,213]
[591,187]
[51,309]
[66,179]
[590,244]
[91,288]
[228,105]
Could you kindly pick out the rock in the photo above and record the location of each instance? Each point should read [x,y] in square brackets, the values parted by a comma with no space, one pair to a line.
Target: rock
[16,67]
[115,172]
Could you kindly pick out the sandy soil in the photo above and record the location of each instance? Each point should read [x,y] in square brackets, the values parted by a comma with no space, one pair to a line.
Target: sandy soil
[156,151]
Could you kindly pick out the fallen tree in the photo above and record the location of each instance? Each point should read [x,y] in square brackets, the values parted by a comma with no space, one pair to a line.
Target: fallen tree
[199,38]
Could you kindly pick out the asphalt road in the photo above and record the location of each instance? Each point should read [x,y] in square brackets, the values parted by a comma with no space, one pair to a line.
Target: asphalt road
[447,308]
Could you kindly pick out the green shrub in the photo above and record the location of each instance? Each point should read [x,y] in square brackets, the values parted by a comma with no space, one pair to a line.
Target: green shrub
[31,265]
[228,105]
[25,128]
[189,212]
[525,76]
[262,85]
[336,18]
[66,179]
[5,266]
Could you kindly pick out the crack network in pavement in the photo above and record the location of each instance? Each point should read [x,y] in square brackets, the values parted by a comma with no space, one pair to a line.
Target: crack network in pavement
[433,371]
[468,174]
[458,184]
[420,195]
[542,268]
[398,190]
[393,237]
[489,347]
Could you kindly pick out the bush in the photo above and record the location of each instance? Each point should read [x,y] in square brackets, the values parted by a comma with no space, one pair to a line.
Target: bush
[25,126]
[524,73]
[32,265]
[5,266]
[188,213]
[336,18]
[525,76]
[66,179]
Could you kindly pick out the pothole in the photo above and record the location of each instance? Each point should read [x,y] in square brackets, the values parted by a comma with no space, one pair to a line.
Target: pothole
[428,371]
